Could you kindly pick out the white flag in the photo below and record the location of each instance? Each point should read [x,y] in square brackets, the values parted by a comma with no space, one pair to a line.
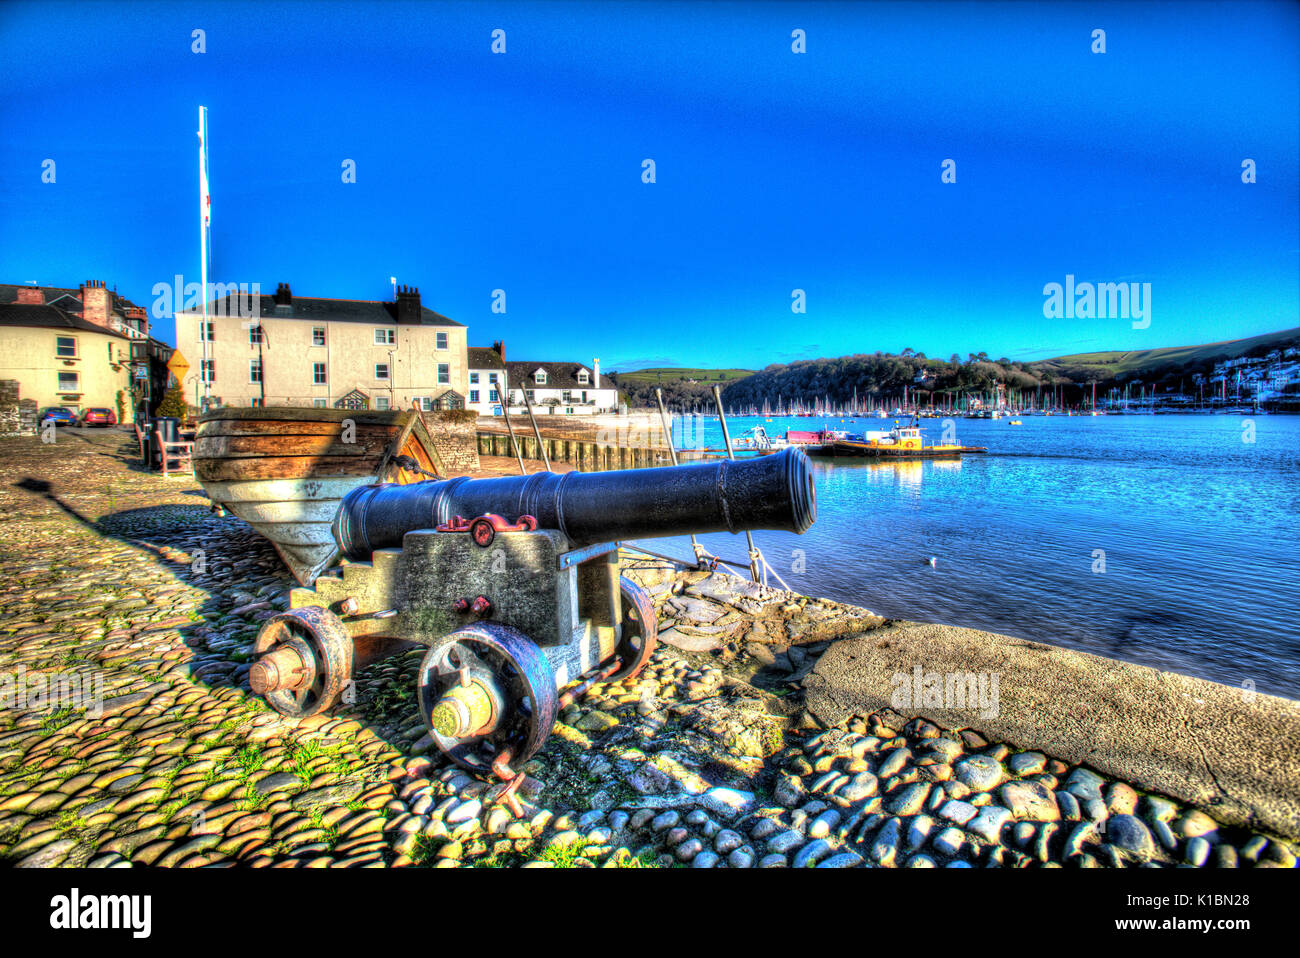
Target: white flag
[205,197]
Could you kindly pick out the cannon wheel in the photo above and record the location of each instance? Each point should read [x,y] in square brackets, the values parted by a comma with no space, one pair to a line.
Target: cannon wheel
[524,681]
[640,634]
[329,646]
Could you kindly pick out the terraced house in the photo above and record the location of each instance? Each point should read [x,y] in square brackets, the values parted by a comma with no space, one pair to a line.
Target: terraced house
[74,347]
[337,353]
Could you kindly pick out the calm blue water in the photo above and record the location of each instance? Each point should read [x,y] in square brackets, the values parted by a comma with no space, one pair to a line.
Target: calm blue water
[1198,528]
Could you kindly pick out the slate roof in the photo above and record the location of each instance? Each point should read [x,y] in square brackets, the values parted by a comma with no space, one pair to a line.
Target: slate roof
[9,294]
[48,317]
[320,310]
[484,357]
[558,375]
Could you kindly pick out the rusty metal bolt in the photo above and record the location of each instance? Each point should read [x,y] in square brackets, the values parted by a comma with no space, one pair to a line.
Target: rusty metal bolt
[349,606]
[461,605]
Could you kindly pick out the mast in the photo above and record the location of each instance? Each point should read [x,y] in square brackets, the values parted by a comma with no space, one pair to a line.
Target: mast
[205,221]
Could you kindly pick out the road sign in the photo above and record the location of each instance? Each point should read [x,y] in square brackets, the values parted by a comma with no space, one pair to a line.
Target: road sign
[142,372]
[178,366]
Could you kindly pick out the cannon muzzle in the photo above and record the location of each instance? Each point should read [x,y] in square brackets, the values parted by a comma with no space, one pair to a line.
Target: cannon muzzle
[768,492]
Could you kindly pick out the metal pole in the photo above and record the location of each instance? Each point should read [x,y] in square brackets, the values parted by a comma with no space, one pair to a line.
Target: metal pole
[514,443]
[541,446]
[672,451]
[726,437]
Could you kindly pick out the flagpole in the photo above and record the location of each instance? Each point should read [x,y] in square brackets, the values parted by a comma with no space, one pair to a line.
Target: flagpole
[204,214]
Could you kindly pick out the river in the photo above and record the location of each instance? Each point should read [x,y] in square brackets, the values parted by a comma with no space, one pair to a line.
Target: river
[1171,541]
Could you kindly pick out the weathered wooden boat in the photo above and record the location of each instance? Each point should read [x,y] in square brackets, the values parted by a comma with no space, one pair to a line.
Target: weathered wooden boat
[285,469]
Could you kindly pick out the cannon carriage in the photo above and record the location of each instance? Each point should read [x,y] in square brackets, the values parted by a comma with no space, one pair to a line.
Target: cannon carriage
[514,588]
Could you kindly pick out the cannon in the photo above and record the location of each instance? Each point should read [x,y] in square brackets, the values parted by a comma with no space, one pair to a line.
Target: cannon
[513,585]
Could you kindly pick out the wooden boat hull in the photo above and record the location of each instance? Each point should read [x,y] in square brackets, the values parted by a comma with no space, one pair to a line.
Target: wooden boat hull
[284,470]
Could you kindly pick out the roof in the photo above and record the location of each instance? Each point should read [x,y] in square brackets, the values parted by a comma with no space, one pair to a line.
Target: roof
[326,310]
[49,317]
[9,294]
[558,375]
[484,357]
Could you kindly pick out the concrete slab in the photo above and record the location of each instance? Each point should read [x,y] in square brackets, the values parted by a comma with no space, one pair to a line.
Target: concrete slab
[1232,753]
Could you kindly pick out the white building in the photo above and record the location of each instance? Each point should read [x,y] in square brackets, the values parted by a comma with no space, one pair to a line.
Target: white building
[560,388]
[487,379]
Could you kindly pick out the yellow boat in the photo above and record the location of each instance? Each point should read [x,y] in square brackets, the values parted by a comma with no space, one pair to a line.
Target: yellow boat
[901,442]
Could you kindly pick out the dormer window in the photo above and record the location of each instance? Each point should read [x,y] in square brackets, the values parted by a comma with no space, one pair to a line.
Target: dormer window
[582,376]
[540,377]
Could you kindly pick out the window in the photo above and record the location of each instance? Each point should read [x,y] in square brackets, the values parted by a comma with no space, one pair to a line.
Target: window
[531,396]
[65,347]
[540,376]
[492,396]
[444,373]
[582,376]
[381,370]
[442,340]
[385,337]
[254,370]
[426,404]
[381,402]
[318,373]
[492,378]
[255,403]
[473,395]
[69,382]
[255,335]
[208,332]
[473,379]
[566,396]
[584,396]
[320,403]
[208,369]
[318,335]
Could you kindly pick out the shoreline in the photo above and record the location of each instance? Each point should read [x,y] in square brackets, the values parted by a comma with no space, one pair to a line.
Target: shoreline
[1228,752]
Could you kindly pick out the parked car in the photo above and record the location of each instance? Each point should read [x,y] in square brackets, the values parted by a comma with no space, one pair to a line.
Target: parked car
[61,415]
[99,416]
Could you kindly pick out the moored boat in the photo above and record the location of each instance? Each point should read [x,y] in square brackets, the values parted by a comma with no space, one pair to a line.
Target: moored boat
[284,469]
[901,442]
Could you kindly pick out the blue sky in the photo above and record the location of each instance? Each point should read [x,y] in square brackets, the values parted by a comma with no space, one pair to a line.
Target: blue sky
[775,171]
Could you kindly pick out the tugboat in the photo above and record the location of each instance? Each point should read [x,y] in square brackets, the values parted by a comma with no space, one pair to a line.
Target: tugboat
[901,442]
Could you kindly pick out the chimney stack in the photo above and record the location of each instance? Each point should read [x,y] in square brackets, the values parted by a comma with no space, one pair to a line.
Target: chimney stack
[500,347]
[96,305]
[408,305]
[595,375]
[283,295]
[31,295]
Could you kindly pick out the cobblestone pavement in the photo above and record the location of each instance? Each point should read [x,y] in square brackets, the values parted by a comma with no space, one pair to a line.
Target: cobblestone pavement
[121,589]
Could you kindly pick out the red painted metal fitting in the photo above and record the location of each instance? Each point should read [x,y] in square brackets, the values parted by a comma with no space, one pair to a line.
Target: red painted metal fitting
[461,605]
[482,605]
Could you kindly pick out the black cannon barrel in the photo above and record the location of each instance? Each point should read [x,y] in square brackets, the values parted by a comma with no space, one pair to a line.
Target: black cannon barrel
[767,492]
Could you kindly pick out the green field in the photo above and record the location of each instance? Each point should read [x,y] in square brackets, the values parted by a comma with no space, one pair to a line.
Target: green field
[672,374]
[1116,363]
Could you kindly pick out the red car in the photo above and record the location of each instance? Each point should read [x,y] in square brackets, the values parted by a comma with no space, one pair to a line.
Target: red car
[98,417]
